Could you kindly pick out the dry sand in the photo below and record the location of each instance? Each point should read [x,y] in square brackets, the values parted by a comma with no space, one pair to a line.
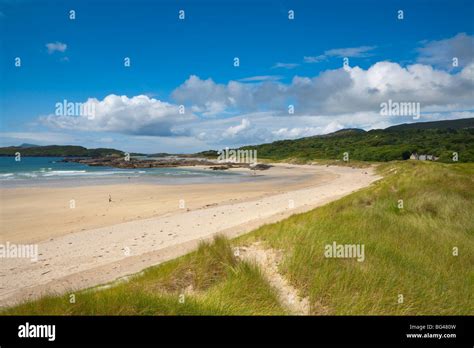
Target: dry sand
[98,242]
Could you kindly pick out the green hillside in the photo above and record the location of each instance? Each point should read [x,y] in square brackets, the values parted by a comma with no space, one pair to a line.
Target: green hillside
[58,151]
[453,124]
[396,143]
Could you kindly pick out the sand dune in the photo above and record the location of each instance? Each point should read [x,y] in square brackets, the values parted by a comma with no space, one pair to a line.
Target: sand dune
[75,254]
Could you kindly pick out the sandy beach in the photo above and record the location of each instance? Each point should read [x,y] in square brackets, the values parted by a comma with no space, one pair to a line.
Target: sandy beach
[98,241]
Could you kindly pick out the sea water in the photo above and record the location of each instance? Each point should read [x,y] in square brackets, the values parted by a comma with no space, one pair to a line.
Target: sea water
[38,171]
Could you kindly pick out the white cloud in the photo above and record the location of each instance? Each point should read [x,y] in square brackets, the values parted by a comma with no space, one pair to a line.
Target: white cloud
[332,127]
[56,47]
[335,92]
[210,99]
[285,65]
[296,132]
[137,115]
[204,95]
[234,130]
[214,108]
[314,59]
[349,52]
[355,89]
[300,132]
[352,52]
[261,78]
[441,53]
[230,131]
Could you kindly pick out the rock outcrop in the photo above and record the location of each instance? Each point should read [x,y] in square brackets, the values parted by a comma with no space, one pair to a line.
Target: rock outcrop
[132,163]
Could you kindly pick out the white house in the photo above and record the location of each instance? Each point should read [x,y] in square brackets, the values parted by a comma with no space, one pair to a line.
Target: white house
[415,156]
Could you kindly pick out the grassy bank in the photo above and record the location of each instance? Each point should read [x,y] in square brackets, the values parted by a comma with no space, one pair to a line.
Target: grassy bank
[408,251]
[209,281]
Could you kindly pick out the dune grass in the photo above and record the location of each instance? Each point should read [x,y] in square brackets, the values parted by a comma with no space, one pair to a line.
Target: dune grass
[209,281]
[408,251]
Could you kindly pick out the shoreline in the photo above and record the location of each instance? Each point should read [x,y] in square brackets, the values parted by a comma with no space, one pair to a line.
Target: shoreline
[47,175]
[95,255]
[37,213]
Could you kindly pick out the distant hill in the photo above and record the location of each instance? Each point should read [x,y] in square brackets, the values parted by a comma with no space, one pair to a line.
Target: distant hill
[28,145]
[453,124]
[440,138]
[342,132]
[207,154]
[161,154]
[58,151]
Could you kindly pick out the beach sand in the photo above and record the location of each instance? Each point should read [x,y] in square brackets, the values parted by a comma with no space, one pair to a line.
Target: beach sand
[99,241]
[33,214]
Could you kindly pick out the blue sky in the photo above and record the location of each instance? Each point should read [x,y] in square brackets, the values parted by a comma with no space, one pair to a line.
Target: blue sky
[190,62]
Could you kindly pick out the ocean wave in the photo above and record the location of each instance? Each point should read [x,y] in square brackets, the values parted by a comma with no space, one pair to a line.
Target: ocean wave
[62,172]
[47,173]
[28,175]
[81,173]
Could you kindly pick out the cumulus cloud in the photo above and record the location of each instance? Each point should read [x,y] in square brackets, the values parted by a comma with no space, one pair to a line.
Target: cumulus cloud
[441,53]
[204,95]
[210,99]
[137,115]
[234,130]
[56,47]
[336,91]
[332,100]
[355,89]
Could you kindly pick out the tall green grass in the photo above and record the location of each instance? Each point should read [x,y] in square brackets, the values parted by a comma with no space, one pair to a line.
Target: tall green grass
[408,251]
[209,281]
